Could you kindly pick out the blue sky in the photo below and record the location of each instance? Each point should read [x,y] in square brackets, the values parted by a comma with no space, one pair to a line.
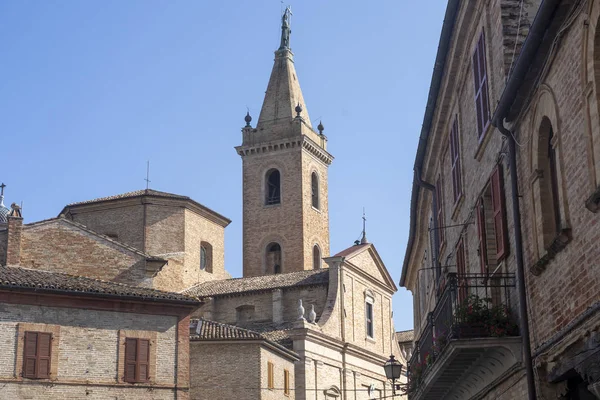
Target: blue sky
[91,90]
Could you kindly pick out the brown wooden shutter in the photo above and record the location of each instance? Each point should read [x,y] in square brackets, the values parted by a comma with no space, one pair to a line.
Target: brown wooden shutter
[481,89]
[44,350]
[30,356]
[440,210]
[499,210]
[130,359]
[480,211]
[461,270]
[143,359]
[455,159]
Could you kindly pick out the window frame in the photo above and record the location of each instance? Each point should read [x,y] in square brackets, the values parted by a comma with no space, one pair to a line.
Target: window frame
[370,315]
[315,191]
[137,363]
[270,375]
[455,160]
[317,262]
[37,357]
[286,382]
[274,198]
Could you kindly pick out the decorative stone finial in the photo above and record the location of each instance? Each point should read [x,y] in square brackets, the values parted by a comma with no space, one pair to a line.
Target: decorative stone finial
[15,210]
[298,110]
[248,119]
[300,311]
[285,28]
[320,128]
[312,315]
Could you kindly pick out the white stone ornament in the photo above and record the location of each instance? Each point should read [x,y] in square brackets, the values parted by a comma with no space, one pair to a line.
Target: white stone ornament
[300,311]
[312,315]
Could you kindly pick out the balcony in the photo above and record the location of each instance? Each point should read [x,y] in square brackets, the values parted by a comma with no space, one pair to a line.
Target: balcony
[470,341]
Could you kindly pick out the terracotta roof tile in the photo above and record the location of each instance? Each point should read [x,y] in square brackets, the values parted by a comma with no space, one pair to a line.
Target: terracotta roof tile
[258,283]
[135,193]
[55,282]
[405,336]
[351,250]
[204,329]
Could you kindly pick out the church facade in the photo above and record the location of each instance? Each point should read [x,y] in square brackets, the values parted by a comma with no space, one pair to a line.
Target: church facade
[301,323]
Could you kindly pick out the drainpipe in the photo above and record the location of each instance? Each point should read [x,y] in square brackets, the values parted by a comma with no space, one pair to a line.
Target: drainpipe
[436,238]
[521,291]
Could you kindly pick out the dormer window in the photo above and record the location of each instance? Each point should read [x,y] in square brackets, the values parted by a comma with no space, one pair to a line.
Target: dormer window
[272,187]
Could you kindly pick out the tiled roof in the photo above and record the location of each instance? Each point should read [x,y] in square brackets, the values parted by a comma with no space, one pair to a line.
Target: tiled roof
[405,336]
[258,283]
[209,330]
[55,282]
[352,249]
[135,193]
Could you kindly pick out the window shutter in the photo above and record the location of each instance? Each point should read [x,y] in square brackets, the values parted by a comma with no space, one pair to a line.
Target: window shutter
[143,359]
[455,159]
[130,358]
[499,210]
[30,359]
[440,210]
[270,377]
[461,270]
[44,350]
[481,89]
[481,234]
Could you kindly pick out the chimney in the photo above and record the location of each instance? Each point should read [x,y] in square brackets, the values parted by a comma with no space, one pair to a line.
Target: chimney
[13,241]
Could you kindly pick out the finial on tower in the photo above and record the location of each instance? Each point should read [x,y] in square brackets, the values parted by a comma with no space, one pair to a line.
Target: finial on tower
[285,28]
[2,186]
[248,119]
[363,240]
[298,110]
[320,128]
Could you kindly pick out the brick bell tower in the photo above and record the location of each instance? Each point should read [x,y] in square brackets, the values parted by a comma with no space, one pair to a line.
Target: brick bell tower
[285,162]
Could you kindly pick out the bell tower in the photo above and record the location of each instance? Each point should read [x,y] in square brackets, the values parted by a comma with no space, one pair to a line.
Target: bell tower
[285,163]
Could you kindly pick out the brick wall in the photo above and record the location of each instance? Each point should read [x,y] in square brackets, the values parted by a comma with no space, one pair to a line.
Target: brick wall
[3,239]
[87,359]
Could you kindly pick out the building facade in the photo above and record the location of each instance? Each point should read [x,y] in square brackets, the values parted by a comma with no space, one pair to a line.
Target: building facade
[503,210]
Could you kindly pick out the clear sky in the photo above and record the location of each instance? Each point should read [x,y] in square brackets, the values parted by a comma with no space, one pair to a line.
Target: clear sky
[91,90]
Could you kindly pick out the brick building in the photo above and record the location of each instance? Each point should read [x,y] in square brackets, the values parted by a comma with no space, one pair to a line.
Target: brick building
[299,322]
[502,256]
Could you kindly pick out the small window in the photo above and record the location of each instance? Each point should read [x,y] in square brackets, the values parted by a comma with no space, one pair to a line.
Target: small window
[36,360]
[369,318]
[270,376]
[316,257]
[314,184]
[286,382]
[137,360]
[206,252]
[273,187]
[273,258]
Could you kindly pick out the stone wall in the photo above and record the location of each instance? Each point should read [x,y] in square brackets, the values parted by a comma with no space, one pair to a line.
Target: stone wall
[87,353]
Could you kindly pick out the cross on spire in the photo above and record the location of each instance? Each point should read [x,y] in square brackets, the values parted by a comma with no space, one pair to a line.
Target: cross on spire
[148,175]
[363,240]
[2,186]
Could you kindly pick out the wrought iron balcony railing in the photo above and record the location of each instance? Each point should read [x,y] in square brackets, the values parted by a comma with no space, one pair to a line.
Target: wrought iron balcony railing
[469,306]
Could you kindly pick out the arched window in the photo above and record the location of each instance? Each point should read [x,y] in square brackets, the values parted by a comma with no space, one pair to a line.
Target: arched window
[206,257]
[273,258]
[316,257]
[272,187]
[314,185]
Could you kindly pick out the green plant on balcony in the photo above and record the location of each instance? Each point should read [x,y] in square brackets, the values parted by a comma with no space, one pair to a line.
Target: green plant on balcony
[478,316]
[439,342]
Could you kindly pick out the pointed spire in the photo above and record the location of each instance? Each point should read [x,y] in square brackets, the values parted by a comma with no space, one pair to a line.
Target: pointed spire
[363,240]
[283,91]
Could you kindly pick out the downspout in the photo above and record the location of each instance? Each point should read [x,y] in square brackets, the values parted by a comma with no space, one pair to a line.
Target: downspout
[521,290]
[343,327]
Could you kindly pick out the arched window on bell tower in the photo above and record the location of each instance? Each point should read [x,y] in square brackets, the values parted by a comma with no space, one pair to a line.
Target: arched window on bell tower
[314,185]
[316,257]
[272,187]
[273,258]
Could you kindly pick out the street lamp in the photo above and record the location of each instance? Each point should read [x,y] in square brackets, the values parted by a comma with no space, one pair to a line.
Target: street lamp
[393,369]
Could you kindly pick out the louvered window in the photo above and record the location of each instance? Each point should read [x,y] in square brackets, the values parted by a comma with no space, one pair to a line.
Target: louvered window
[36,360]
[455,160]
[481,86]
[137,360]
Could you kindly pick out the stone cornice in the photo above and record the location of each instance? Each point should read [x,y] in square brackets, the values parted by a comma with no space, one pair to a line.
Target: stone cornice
[286,144]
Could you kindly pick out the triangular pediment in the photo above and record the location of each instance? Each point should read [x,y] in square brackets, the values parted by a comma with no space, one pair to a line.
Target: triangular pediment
[365,259]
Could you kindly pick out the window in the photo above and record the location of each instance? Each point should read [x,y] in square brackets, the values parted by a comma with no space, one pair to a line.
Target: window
[270,375]
[37,355]
[481,88]
[314,185]
[273,187]
[461,269]
[137,360]
[206,256]
[553,180]
[286,382]
[455,159]
[369,315]
[316,257]
[273,258]
[491,223]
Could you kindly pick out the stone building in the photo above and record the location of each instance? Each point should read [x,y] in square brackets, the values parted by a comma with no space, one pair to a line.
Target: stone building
[502,256]
[299,324]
